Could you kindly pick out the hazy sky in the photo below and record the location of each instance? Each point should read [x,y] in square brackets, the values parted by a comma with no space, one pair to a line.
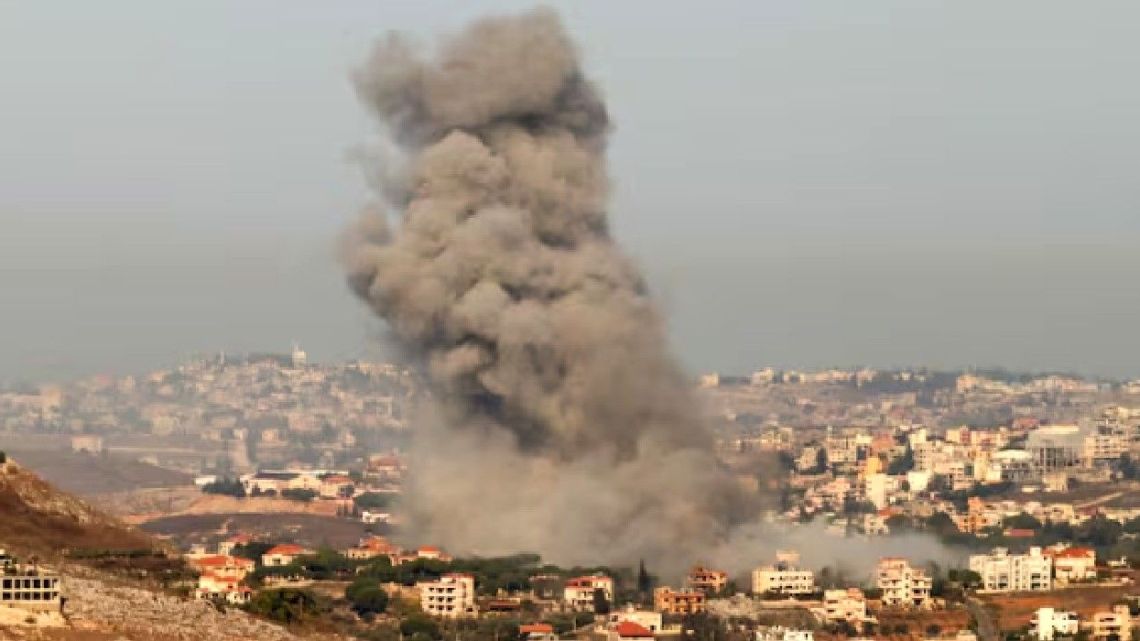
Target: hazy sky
[806,183]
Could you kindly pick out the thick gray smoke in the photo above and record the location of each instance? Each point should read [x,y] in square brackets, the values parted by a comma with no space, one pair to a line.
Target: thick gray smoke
[561,425]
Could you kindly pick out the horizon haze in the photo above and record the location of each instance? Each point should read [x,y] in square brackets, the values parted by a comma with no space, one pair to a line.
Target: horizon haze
[898,184]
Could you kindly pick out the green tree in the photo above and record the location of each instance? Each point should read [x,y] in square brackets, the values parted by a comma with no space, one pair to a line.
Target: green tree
[252,550]
[1128,468]
[1131,527]
[373,501]
[964,577]
[898,523]
[297,494]
[1098,532]
[286,605]
[941,523]
[1023,521]
[902,464]
[601,603]
[644,581]
[821,460]
[326,564]
[938,483]
[225,486]
[366,597]
[420,624]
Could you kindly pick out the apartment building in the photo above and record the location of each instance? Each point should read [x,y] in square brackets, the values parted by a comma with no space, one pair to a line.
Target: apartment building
[1115,624]
[1104,444]
[666,600]
[706,580]
[845,605]
[452,596]
[1005,572]
[903,586]
[578,593]
[783,577]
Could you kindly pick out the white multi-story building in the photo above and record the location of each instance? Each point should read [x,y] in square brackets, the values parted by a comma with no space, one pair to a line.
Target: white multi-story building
[453,595]
[1048,623]
[903,585]
[845,605]
[877,487]
[579,591]
[782,578]
[1005,572]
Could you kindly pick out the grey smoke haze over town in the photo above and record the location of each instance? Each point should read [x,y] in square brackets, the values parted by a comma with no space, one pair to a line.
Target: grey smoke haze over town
[895,182]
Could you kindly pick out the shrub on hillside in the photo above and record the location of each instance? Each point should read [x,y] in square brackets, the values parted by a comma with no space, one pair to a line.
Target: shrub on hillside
[226,487]
[299,495]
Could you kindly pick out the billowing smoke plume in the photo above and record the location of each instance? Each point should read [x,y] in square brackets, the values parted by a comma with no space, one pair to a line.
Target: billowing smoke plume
[562,425]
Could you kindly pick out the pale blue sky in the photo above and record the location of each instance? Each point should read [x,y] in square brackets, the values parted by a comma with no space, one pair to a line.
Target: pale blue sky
[881,182]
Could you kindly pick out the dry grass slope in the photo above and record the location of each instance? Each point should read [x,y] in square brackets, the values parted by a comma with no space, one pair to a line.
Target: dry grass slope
[90,474]
[37,518]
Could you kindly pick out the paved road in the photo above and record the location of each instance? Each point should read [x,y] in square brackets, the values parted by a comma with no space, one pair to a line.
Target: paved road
[987,627]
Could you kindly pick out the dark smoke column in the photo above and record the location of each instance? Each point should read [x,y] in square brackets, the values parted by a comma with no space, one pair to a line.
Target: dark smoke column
[563,425]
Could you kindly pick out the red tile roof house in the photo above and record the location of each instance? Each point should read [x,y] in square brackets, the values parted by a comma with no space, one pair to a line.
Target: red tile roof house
[1073,563]
[428,552]
[631,630]
[223,565]
[283,554]
[432,552]
[528,629]
[371,548]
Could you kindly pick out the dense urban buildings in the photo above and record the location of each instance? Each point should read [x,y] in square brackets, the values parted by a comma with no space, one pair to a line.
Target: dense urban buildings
[1029,480]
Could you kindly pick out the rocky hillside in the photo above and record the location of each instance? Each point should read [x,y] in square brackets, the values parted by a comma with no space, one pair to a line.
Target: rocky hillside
[98,607]
[35,517]
[102,608]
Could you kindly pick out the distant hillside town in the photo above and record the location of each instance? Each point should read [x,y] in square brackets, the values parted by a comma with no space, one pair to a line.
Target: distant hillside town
[1027,486]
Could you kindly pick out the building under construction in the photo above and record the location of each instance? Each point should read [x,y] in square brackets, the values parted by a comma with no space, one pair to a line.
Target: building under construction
[28,586]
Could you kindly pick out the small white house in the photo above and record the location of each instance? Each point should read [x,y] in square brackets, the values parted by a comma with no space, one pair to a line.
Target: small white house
[1048,623]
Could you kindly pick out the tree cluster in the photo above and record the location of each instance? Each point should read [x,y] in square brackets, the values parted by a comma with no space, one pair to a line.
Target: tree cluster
[225,487]
[287,605]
